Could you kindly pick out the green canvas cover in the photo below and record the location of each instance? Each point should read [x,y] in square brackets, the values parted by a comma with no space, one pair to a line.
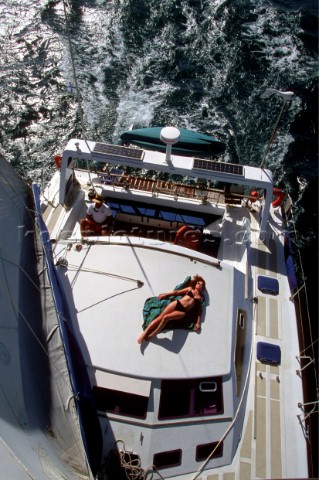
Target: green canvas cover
[190,143]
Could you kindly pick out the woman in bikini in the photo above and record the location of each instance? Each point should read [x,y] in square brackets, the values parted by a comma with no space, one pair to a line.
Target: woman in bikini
[177,309]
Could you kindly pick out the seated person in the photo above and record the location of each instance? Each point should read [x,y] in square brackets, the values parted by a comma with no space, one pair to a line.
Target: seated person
[98,219]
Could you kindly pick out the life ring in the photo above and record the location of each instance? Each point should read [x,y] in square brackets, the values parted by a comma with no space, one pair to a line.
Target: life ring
[187,237]
[279,197]
[58,161]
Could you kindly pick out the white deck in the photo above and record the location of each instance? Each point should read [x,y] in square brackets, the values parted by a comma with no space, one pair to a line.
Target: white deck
[109,311]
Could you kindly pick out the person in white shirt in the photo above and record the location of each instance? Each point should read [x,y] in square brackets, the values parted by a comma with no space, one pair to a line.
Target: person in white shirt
[98,219]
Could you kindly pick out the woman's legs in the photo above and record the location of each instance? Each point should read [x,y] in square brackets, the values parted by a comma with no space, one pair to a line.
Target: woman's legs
[166,318]
[153,326]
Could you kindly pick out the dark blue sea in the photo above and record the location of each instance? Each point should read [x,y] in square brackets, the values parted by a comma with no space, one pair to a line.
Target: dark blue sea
[198,64]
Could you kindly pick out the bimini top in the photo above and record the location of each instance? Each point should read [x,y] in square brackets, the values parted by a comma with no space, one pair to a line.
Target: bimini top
[190,143]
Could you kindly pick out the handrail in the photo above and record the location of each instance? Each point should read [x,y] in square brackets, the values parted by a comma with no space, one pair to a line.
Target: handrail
[167,186]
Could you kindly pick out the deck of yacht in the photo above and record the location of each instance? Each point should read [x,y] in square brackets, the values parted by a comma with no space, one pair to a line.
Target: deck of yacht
[110,283]
[271,446]
[272,442]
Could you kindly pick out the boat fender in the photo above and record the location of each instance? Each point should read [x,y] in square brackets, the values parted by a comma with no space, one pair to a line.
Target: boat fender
[58,161]
[187,237]
[279,197]
[253,196]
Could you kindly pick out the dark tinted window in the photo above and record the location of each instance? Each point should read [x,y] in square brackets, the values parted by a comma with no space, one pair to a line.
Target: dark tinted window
[203,451]
[121,403]
[190,398]
[167,459]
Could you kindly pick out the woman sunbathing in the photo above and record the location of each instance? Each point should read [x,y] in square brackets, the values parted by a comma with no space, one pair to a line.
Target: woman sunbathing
[177,309]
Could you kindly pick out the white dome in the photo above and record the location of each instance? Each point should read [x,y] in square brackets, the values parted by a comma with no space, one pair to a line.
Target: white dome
[170,135]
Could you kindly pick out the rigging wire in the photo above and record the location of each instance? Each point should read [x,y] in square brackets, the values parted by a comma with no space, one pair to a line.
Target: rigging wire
[287,98]
[17,197]
[202,467]
[108,274]
[312,342]
[30,211]
[77,88]
[4,256]
[17,310]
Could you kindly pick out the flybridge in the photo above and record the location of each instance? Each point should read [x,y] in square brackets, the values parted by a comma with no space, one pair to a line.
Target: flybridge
[250,177]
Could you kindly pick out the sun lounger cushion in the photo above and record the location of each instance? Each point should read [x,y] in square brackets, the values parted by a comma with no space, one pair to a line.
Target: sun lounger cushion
[268,353]
[268,285]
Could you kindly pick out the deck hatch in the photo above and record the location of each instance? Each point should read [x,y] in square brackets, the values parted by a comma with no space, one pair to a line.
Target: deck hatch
[221,167]
[122,383]
[117,150]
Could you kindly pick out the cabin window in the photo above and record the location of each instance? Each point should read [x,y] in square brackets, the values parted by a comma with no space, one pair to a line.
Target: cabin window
[181,218]
[147,212]
[113,205]
[121,403]
[128,209]
[169,214]
[171,458]
[190,398]
[204,451]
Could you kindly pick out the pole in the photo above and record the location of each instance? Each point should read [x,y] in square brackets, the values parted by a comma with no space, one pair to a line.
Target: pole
[287,97]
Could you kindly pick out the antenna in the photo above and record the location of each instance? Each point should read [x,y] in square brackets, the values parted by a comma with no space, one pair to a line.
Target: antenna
[170,136]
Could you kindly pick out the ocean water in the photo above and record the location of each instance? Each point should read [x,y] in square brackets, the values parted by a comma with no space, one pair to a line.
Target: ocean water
[94,68]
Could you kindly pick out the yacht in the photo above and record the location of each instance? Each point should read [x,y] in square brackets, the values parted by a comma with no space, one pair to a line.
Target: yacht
[220,402]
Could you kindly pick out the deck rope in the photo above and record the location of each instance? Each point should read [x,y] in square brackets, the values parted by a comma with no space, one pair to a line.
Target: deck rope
[132,466]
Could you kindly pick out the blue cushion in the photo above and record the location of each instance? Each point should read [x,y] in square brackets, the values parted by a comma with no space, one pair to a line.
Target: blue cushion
[268,285]
[268,353]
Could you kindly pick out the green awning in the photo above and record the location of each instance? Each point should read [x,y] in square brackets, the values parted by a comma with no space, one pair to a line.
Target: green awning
[190,143]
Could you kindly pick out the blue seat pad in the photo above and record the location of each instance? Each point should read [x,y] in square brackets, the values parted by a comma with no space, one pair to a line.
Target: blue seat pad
[268,353]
